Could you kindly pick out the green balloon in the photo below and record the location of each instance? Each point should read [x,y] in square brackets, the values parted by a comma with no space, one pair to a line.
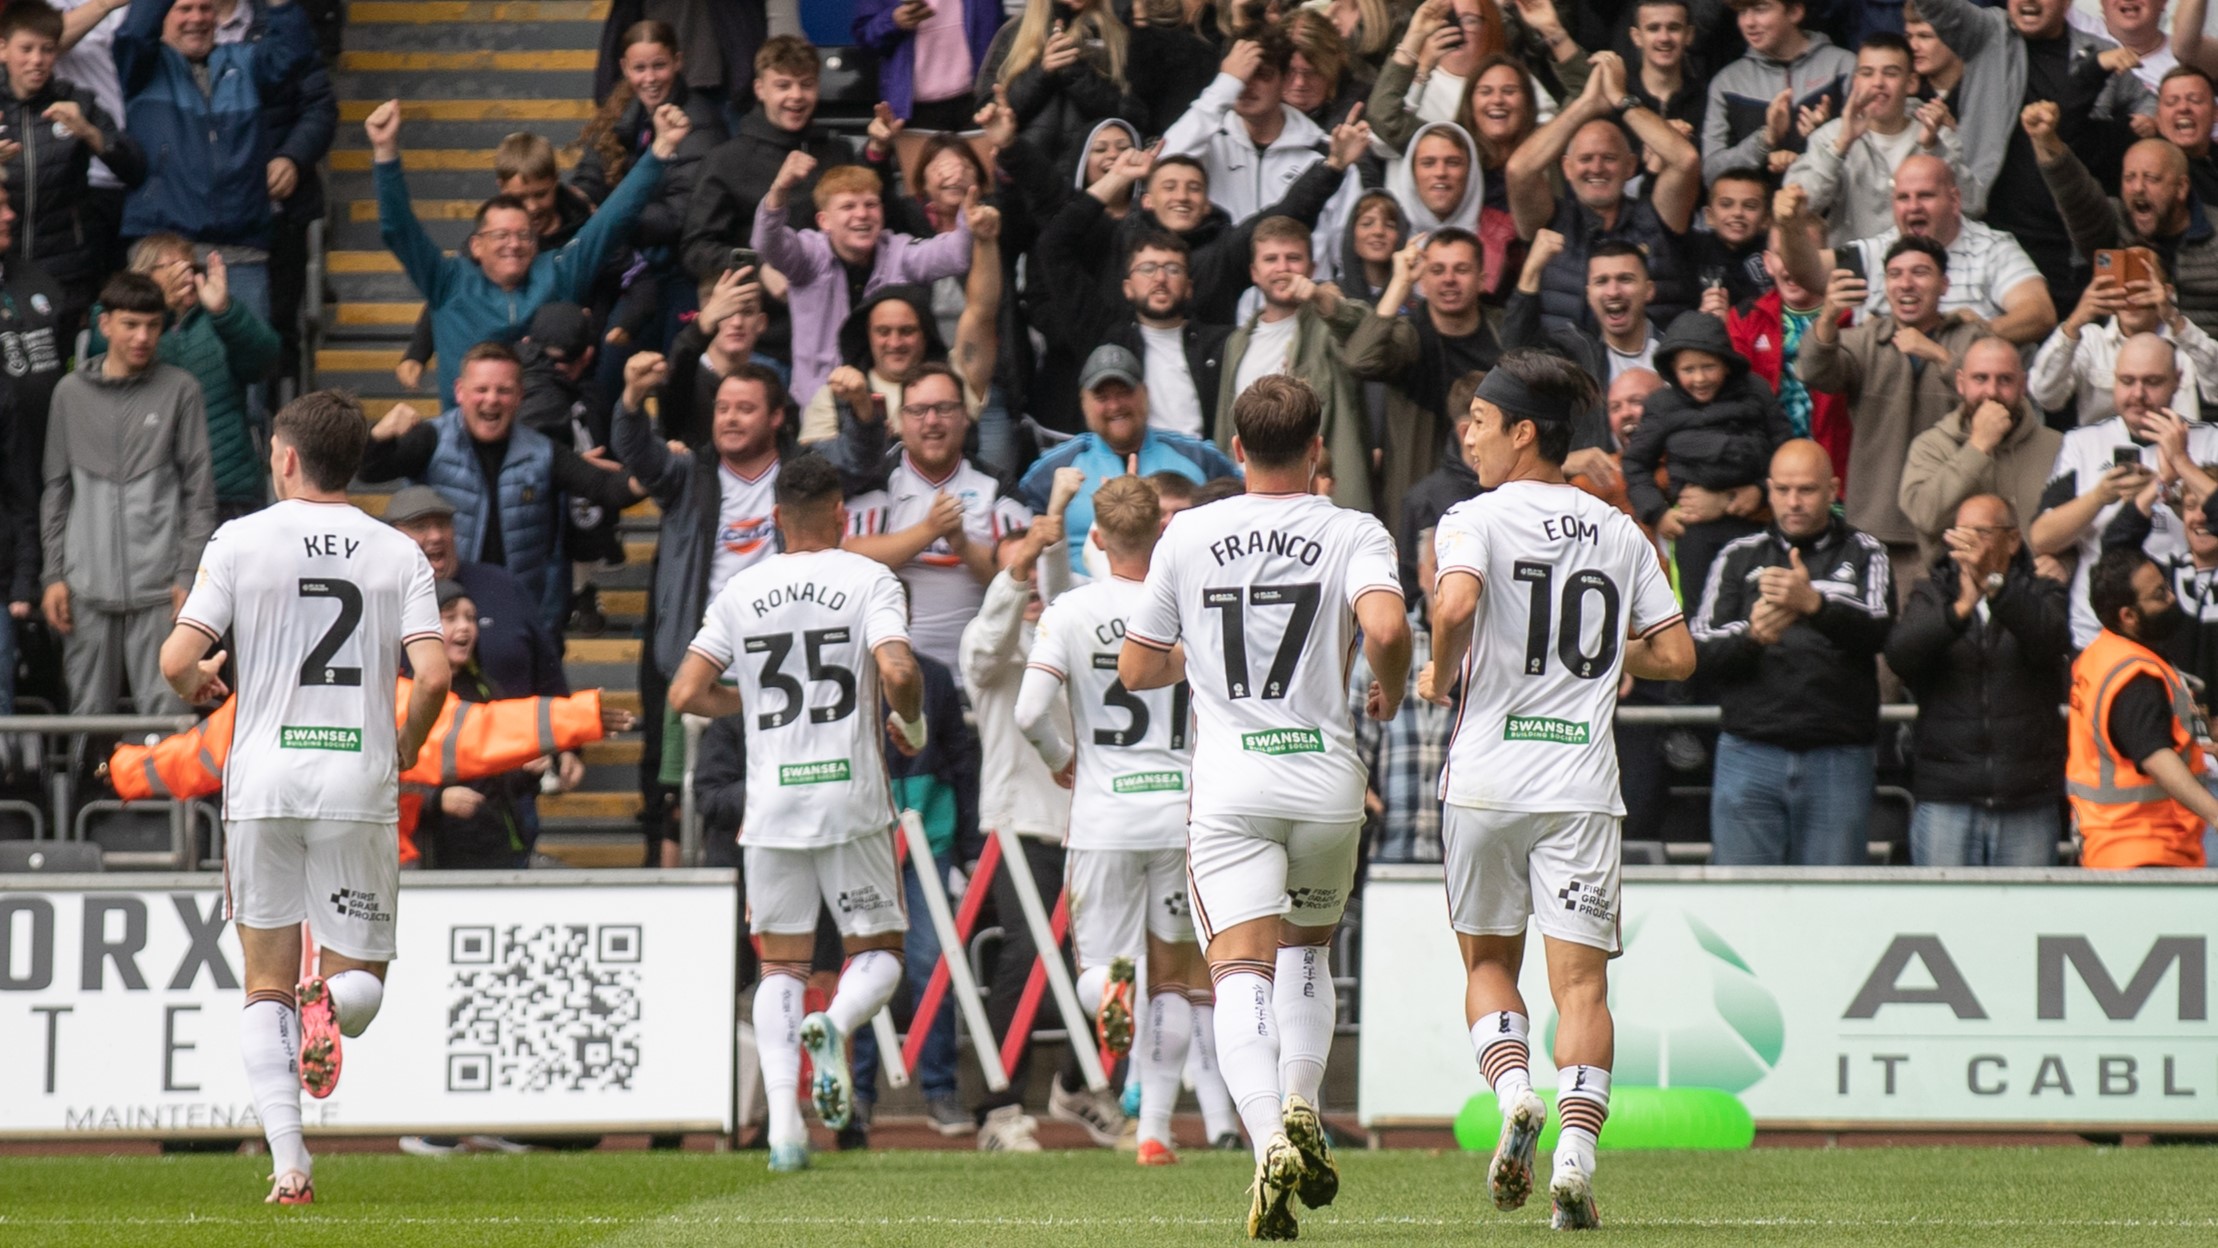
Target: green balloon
[1653,1118]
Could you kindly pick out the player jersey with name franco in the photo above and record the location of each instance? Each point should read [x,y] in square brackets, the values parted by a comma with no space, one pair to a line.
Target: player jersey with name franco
[1262,589]
[943,595]
[798,631]
[1135,750]
[1560,575]
[321,601]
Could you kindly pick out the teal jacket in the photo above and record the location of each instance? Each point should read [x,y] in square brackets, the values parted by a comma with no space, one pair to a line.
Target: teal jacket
[227,353]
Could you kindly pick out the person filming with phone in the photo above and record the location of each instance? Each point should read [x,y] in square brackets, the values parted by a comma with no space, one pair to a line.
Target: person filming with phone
[2129,296]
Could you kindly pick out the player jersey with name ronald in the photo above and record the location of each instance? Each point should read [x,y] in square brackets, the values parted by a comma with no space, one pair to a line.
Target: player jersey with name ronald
[1135,750]
[321,601]
[746,530]
[798,631]
[1262,588]
[943,595]
[1563,579]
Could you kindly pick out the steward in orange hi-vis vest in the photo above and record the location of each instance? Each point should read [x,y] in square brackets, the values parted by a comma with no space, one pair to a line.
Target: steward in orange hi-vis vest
[470,741]
[2125,818]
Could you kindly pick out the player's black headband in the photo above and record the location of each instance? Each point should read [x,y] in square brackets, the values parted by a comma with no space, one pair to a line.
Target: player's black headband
[1521,401]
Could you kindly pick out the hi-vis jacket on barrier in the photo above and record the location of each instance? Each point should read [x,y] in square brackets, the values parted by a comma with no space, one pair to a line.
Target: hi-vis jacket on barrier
[469,741]
[2124,817]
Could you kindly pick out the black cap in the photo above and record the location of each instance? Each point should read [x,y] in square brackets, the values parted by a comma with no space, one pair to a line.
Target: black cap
[448,591]
[562,330]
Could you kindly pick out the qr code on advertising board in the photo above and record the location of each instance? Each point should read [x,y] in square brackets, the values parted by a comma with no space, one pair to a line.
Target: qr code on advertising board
[543,1009]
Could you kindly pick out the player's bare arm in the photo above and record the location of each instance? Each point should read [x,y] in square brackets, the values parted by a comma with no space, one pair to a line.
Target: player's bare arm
[1386,644]
[903,682]
[1664,655]
[427,658]
[190,669]
[1455,603]
[698,690]
[1141,666]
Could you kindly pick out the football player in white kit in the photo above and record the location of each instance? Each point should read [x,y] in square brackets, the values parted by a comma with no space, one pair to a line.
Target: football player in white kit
[1130,775]
[320,601]
[1545,598]
[1256,602]
[813,634]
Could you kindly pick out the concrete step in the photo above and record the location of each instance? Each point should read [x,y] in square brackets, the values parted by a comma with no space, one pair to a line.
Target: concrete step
[476,60]
[379,312]
[490,82]
[434,134]
[421,160]
[354,109]
[512,37]
[472,12]
[591,848]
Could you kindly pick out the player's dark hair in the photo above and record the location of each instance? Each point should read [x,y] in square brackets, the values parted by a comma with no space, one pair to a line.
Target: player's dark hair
[1613,248]
[806,481]
[1549,376]
[1277,418]
[1921,244]
[2110,585]
[133,292]
[30,15]
[1744,173]
[1218,489]
[327,429]
[1888,41]
[1453,235]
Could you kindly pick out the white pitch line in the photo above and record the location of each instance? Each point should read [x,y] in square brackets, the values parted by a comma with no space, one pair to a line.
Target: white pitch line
[647,1221]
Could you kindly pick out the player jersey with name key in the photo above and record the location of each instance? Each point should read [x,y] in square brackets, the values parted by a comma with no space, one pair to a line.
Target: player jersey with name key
[798,631]
[1135,750]
[1563,578]
[1262,588]
[321,601]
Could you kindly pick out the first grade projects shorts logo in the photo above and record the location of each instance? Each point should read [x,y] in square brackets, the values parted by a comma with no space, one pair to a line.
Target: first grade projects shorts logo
[344,740]
[1284,741]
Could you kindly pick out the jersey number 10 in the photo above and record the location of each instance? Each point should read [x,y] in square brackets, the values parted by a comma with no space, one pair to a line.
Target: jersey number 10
[1575,590]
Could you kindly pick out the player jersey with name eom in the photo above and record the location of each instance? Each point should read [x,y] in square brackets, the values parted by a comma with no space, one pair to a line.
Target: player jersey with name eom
[1262,588]
[321,601]
[798,631]
[943,595]
[1135,750]
[1561,574]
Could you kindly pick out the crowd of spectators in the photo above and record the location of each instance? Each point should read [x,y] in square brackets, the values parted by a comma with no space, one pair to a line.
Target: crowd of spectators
[1904,314]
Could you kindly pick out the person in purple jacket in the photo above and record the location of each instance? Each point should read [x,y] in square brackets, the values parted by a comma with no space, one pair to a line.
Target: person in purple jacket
[849,255]
[928,52]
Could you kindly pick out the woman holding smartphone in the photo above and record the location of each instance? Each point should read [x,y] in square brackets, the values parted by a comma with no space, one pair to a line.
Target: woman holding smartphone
[1064,67]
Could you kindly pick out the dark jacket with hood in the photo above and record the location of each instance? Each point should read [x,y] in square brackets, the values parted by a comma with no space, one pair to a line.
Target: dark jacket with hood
[1056,110]
[1988,733]
[662,222]
[46,182]
[736,175]
[1721,444]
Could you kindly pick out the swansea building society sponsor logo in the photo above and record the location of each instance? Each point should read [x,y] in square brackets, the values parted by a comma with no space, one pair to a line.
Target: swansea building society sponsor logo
[344,740]
[1284,741]
[1542,728]
[825,772]
[1150,782]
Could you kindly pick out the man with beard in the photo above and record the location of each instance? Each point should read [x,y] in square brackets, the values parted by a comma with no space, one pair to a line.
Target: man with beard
[1182,359]
[2192,572]
[2020,54]
[2185,113]
[1893,372]
[1989,275]
[2100,468]
[2156,208]
[1587,140]
[1618,293]
[1993,443]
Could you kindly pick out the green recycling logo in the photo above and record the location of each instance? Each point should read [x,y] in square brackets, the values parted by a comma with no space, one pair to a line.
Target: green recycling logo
[1667,1039]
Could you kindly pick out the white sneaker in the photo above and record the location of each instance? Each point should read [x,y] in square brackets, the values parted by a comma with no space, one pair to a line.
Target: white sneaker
[1573,1192]
[1509,1177]
[496,1144]
[1098,1113]
[1008,1130]
[431,1145]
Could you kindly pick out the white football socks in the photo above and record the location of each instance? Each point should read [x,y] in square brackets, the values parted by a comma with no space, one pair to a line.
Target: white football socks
[269,1046]
[778,1012]
[1302,999]
[1202,1071]
[1505,1056]
[1582,1105]
[1247,1047]
[1170,1030]
[864,988]
[355,998]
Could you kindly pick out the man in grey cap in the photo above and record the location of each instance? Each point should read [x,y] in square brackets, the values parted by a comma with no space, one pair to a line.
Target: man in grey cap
[1118,440]
[514,650]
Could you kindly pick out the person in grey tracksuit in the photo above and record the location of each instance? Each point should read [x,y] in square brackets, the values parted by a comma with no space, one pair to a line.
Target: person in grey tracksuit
[129,500]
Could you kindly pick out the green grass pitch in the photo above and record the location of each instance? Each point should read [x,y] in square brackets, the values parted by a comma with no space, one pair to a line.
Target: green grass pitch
[1926,1198]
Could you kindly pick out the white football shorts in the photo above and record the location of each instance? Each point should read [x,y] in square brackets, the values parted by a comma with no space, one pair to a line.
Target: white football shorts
[343,878]
[857,879]
[1559,872]
[1120,897]
[1251,867]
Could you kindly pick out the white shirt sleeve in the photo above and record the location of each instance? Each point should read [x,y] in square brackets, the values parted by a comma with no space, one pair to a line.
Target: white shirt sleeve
[1458,545]
[885,610]
[1373,564]
[1036,718]
[419,607]
[2008,267]
[1654,606]
[209,606]
[715,641]
[1154,621]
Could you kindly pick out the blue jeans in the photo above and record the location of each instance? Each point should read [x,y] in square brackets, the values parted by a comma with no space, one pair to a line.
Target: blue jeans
[250,285]
[1771,806]
[935,1067]
[997,433]
[1949,834]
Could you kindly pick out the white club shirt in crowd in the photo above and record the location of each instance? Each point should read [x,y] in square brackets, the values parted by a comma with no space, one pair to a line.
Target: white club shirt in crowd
[1564,579]
[799,633]
[1135,750]
[2084,456]
[746,529]
[1984,264]
[1270,350]
[91,64]
[943,595]
[1624,362]
[1262,589]
[321,601]
[1173,404]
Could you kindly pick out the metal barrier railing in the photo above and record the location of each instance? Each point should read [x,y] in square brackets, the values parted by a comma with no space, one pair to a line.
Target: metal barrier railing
[64,823]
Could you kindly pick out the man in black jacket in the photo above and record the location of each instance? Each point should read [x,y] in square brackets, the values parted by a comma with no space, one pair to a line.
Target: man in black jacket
[1177,352]
[1790,623]
[735,176]
[1986,646]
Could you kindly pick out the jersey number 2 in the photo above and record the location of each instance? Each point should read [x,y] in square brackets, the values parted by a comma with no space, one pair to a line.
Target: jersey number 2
[1575,590]
[316,669]
[1303,599]
[775,648]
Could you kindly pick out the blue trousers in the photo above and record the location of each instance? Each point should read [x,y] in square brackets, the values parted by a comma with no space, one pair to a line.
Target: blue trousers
[1771,806]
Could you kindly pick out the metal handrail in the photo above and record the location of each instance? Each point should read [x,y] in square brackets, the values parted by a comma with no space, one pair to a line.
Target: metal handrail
[57,725]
